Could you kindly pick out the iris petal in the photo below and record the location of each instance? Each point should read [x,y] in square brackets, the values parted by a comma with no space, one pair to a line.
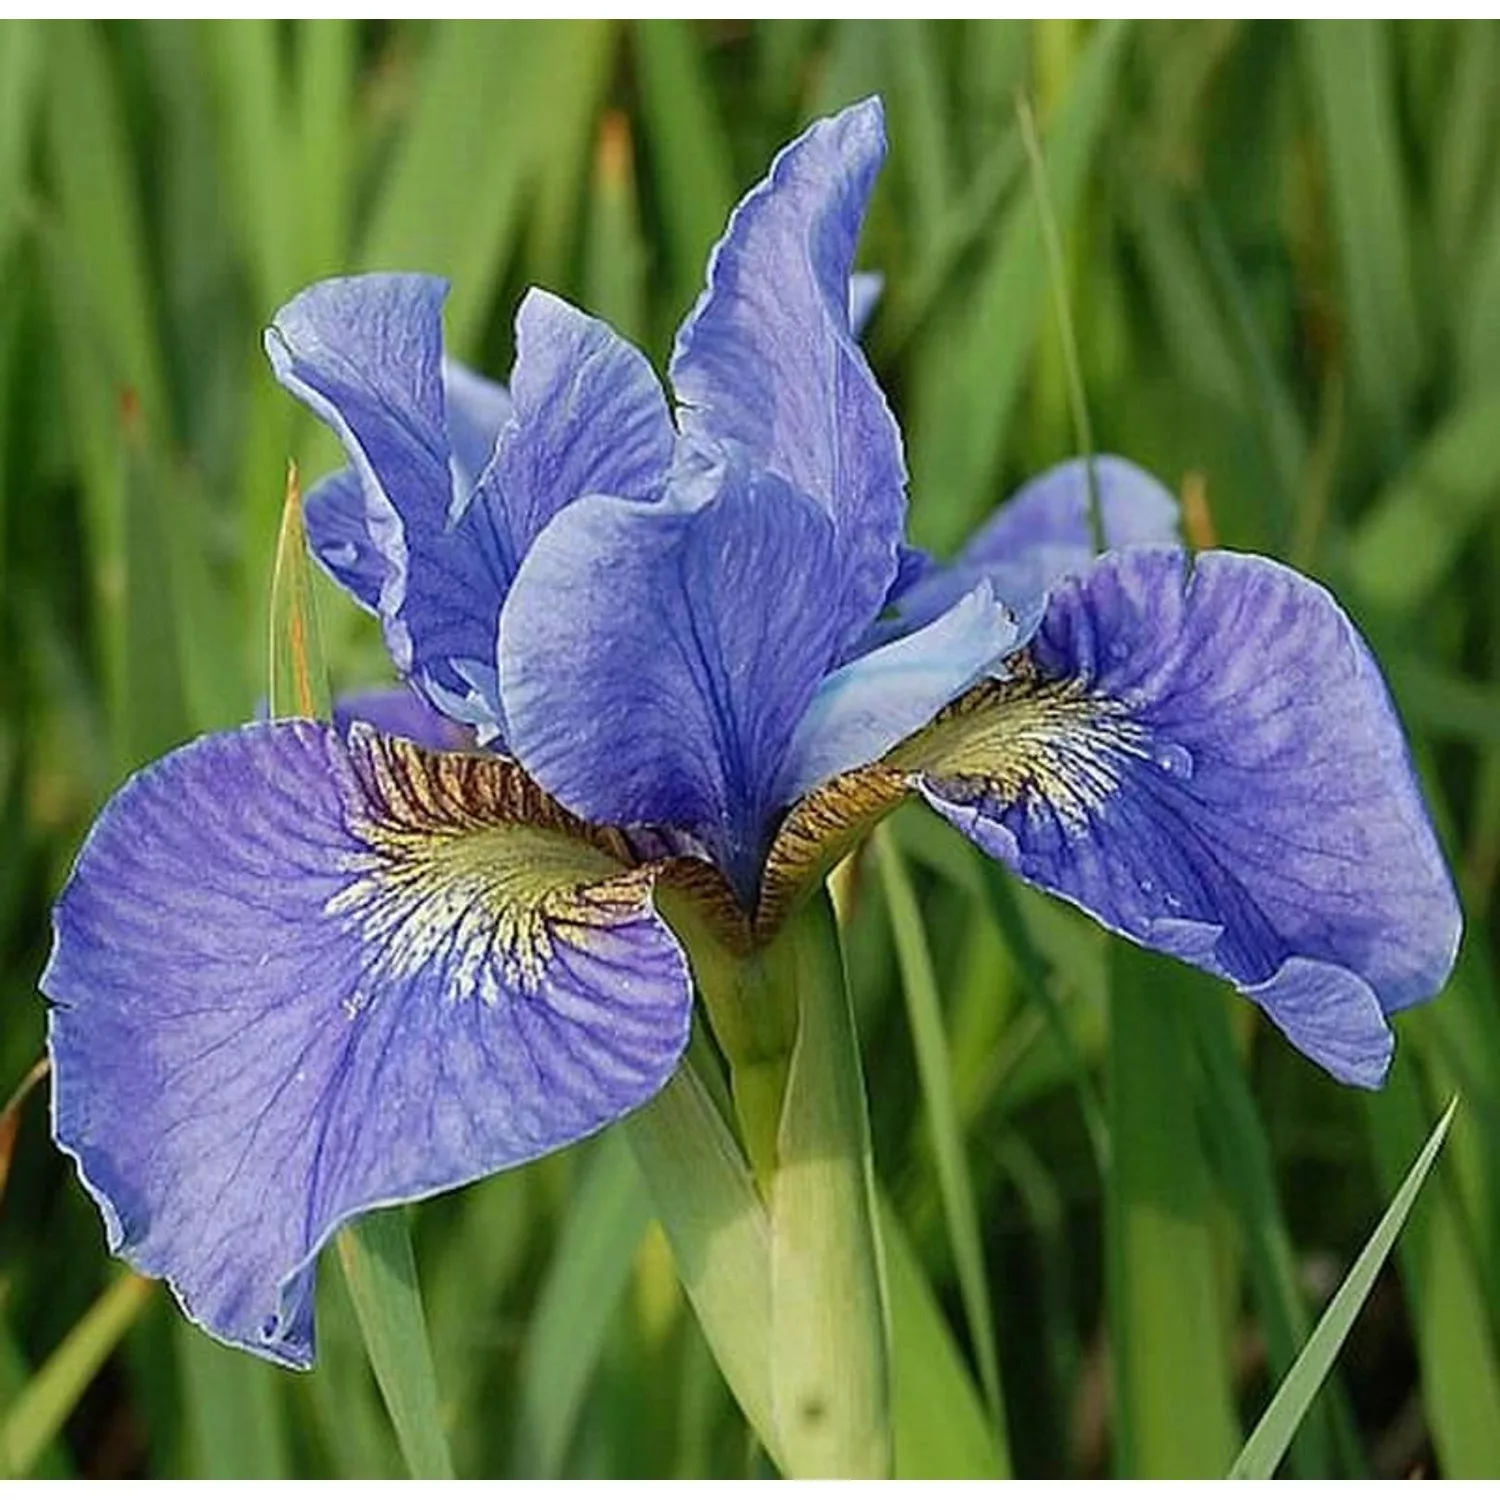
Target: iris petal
[655,660]
[1041,534]
[404,713]
[342,529]
[768,362]
[873,702]
[1209,763]
[477,408]
[425,539]
[297,976]
[589,418]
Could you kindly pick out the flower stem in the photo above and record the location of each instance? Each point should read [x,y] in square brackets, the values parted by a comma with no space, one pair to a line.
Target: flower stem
[784,1023]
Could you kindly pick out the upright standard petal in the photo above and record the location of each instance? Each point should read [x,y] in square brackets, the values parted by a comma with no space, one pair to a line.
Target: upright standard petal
[366,354]
[477,408]
[769,363]
[1206,759]
[655,660]
[436,547]
[1043,533]
[589,418]
[297,976]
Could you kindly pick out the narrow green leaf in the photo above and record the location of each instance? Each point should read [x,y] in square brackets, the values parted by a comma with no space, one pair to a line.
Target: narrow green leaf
[38,1413]
[1411,537]
[1449,1292]
[89,151]
[1273,1433]
[21,70]
[1272,398]
[1184,307]
[614,267]
[607,1218]
[1174,1411]
[375,1252]
[451,200]
[52,1462]
[705,1197]
[576,63]
[918,120]
[1326,1443]
[942,1428]
[232,1408]
[688,150]
[257,128]
[966,423]
[1032,964]
[149,705]
[934,1067]
[327,58]
[1349,71]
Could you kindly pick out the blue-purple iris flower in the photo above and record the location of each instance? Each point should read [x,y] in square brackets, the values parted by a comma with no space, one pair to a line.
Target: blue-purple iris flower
[304,970]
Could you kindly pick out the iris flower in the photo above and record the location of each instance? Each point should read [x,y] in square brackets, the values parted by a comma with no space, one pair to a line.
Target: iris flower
[303,970]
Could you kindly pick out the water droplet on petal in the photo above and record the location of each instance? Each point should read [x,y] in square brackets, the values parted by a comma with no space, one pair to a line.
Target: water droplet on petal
[1175,760]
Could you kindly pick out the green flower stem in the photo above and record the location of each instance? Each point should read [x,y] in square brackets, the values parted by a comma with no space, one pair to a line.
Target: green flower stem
[830,1364]
[800,1329]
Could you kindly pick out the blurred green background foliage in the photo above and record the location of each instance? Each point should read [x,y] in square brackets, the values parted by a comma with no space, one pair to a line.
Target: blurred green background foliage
[1282,254]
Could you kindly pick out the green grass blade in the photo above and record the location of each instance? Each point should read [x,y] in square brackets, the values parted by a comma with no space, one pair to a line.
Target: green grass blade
[451,200]
[327,55]
[38,1413]
[705,1197]
[1326,1443]
[1273,1433]
[1450,1292]
[1409,541]
[934,1067]
[688,150]
[1348,67]
[592,1260]
[90,142]
[1032,965]
[966,423]
[381,1272]
[236,1427]
[257,127]
[1174,1411]
[21,71]
[614,266]
[942,1428]
[830,1357]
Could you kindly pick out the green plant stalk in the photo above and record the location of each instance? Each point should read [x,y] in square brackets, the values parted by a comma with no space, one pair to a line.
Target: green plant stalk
[830,1362]
[808,1353]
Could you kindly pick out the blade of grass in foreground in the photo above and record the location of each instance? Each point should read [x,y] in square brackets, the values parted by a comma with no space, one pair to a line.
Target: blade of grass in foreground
[50,1396]
[925,1016]
[1274,1431]
[375,1251]
[592,1260]
[1174,1411]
